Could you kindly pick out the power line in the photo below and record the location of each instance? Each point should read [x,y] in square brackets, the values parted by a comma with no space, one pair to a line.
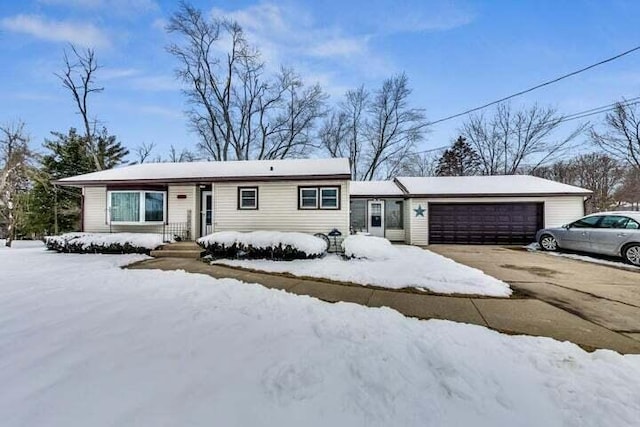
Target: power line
[573,116]
[522,92]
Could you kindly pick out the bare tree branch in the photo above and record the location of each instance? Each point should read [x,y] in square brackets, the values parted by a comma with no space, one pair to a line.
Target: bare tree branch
[235,110]
[509,138]
[78,77]
[622,136]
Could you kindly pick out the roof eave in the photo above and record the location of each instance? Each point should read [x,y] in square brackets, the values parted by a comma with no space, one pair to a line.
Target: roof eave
[198,180]
[454,195]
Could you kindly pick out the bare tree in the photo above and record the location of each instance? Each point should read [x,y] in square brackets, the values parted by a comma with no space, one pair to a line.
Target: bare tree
[183,156]
[393,128]
[509,139]
[143,152]
[419,164]
[14,173]
[597,172]
[376,132]
[621,138]
[78,76]
[601,174]
[629,191]
[235,109]
[342,133]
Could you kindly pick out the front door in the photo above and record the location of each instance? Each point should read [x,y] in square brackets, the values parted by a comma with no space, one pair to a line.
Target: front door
[376,218]
[206,213]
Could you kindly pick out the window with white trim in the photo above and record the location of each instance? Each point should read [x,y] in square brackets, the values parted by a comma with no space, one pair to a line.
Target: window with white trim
[319,198]
[308,198]
[247,197]
[136,207]
[329,198]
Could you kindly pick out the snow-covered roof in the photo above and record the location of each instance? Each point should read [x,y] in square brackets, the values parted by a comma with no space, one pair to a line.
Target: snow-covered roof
[374,188]
[500,185]
[212,171]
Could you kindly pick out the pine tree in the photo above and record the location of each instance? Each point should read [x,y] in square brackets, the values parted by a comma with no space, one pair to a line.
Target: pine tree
[54,209]
[459,160]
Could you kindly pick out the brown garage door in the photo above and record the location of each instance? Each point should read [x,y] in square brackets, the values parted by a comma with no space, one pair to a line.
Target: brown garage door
[484,223]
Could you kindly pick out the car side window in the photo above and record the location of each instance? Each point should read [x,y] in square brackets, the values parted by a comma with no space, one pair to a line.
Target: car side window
[587,222]
[633,225]
[613,221]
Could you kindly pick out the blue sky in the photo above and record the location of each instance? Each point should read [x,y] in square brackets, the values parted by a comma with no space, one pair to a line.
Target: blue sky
[457,55]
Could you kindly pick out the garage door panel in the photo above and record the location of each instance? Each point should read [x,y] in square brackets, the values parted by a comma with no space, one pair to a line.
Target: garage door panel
[484,223]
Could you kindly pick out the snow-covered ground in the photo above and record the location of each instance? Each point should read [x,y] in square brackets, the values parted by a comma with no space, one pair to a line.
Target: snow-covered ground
[586,258]
[405,267]
[83,342]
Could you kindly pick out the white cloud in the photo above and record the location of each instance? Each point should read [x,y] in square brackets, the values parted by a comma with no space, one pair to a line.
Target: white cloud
[291,37]
[118,73]
[436,16]
[113,5]
[155,83]
[82,34]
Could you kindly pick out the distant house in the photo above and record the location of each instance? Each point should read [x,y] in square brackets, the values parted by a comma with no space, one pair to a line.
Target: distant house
[316,195]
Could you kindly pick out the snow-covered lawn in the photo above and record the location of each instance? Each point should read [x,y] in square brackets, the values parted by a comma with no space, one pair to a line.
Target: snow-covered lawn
[83,342]
[612,262]
[405,267]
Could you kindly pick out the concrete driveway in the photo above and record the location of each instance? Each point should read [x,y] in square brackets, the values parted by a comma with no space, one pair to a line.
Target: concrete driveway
[602,294]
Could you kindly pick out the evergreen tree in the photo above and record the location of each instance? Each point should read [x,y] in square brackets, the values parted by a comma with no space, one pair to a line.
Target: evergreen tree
[459,160]
[54,209]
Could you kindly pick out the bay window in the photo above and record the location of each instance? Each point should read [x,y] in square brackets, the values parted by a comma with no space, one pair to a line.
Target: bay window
[131,207]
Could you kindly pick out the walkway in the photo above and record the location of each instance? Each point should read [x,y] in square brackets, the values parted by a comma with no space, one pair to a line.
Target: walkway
[514,316]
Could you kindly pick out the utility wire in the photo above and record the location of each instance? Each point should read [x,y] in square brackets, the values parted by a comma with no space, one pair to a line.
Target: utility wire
[573,116]
[522,92]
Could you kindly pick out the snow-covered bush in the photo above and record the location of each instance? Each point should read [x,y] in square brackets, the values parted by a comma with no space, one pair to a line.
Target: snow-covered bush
[104,243]
[273,245]
[369,247]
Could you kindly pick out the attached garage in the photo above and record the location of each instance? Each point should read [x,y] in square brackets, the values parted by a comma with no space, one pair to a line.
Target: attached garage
[485,223]
[477,210]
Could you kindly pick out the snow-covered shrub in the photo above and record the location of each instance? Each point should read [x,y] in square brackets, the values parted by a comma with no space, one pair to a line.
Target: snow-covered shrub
[273,245]
[369,247]
[104,243]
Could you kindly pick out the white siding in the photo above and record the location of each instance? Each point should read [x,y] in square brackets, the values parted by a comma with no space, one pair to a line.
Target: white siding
[277,208]
[557,211]
[407,220]
[394,235]
[418,224]
[95,210]
[178,208]
[562,210]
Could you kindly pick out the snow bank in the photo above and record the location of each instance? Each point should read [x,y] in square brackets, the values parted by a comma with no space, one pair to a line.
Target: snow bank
[405,267]
[104,242]
[87,343]
[535,247]
[369,247]
[265,240]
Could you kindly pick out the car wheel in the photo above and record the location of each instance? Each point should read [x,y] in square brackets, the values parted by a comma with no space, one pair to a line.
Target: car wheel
[548,243]
[631,254]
